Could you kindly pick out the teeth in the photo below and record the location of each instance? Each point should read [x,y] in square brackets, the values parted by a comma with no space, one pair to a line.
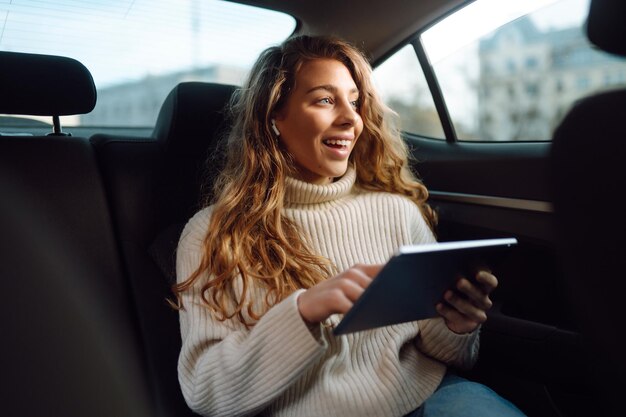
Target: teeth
[337,142]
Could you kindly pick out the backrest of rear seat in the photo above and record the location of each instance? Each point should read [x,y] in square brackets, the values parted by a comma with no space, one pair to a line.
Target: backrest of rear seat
[60,176]
[73,305]
[154,187]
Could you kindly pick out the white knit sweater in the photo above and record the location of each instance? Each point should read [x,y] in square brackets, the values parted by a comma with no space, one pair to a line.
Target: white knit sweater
[281,367]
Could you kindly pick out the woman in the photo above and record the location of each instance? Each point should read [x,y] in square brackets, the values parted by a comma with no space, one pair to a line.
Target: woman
[315,197]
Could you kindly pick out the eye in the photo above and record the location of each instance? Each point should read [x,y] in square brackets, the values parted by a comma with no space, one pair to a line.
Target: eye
[325,100]
[355,103]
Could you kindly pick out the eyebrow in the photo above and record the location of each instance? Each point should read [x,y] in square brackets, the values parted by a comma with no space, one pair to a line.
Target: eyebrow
[330,88]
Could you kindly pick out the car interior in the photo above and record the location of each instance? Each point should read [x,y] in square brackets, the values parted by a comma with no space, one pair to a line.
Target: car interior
[91,219]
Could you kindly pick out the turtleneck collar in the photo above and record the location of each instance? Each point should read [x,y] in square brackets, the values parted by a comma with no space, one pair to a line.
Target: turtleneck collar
[301,192]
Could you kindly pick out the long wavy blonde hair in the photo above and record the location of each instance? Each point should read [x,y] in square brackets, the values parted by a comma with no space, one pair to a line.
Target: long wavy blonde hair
[249,238]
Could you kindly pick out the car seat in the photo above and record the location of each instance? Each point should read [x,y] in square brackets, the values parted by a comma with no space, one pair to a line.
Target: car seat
[45,85]
[69,341]
[154,186]
[588,182]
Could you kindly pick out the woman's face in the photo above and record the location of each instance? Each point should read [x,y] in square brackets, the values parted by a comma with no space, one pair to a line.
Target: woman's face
[320,123]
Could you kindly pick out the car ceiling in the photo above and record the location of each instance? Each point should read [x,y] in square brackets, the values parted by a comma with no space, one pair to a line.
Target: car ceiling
[375,26]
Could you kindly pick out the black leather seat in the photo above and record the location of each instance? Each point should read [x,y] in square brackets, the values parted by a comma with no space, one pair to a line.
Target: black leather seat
[154,186]
[588,154]
[70,330]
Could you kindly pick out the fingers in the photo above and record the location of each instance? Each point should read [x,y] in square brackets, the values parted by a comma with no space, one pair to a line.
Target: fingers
[337,294]
[487,280]
[475,294]
[355,280]
[466,307]
[479,292]
[360,274]
[370,270]
[352,286]
[456,321]
[338,301]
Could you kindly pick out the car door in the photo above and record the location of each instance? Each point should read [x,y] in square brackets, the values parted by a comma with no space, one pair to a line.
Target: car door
[478,118]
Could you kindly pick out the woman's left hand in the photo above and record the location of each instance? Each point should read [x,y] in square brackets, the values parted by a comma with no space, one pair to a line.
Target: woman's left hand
[466,306]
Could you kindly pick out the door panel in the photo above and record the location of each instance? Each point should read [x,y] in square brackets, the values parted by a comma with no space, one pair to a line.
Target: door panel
[501,169]
[531,350]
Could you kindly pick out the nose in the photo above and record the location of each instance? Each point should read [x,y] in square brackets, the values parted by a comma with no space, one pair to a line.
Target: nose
[347,114]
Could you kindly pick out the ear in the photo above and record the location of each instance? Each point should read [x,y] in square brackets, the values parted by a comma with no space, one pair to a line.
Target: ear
[278,114]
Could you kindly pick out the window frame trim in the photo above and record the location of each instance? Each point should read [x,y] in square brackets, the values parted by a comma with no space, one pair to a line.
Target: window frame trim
[435,89]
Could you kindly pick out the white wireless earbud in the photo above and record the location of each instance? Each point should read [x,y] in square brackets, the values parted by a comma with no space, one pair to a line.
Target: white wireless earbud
[274,128]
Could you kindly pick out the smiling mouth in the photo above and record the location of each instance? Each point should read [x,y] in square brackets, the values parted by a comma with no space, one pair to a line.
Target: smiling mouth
[337,143]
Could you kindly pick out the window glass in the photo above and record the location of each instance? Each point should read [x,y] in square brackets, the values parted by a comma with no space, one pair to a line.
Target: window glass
[403,87]
[511,70]
[137,51]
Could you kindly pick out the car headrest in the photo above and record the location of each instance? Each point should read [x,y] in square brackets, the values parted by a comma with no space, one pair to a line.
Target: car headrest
[44,85]
[191,116]
[605,25]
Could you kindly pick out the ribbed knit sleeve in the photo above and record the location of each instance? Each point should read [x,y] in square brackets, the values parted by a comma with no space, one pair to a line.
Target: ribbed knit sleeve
[225,369]
[441,343]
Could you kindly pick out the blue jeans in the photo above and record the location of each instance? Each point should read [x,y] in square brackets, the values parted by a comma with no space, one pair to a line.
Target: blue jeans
[458,397]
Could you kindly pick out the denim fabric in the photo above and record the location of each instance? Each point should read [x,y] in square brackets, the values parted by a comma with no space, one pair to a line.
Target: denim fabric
[458,397]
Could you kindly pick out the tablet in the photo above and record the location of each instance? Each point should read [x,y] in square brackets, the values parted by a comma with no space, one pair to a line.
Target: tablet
[414,280]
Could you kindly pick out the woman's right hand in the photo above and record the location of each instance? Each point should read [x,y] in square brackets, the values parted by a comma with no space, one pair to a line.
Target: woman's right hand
[337,294]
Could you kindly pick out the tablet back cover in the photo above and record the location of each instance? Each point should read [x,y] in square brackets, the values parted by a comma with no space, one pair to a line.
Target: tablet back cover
[414,280]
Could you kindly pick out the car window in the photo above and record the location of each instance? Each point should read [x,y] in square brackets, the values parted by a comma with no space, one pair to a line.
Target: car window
[509,71]
[138,51]
[403,87]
